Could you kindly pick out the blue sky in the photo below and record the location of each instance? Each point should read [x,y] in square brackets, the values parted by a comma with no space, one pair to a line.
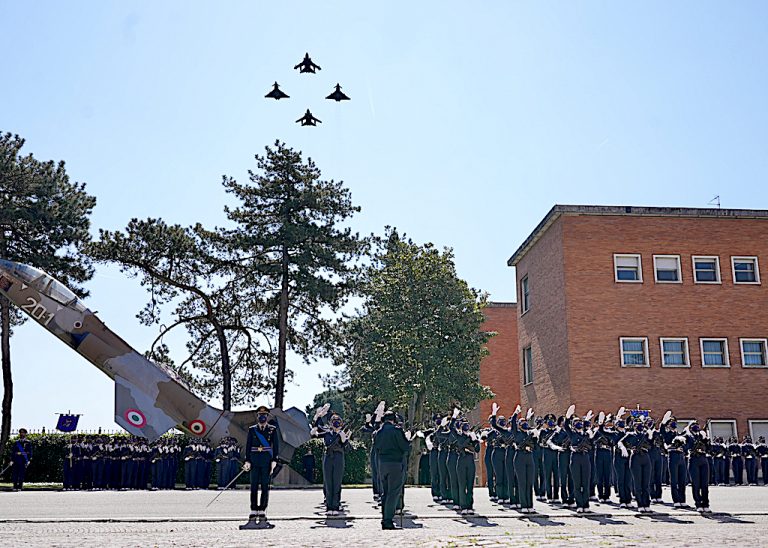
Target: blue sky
[468,121]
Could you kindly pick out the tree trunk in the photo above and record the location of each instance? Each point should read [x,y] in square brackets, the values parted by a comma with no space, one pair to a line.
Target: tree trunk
[415,418]
[5,350]
[226,371]
[282,323]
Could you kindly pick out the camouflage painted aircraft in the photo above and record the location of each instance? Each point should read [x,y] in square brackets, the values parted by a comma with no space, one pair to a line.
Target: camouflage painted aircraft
[150,399]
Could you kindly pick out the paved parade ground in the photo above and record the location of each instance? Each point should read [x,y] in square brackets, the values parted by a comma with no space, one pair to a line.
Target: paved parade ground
[180,518]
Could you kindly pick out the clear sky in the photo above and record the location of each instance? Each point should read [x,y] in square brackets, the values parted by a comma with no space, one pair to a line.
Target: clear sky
[468,121]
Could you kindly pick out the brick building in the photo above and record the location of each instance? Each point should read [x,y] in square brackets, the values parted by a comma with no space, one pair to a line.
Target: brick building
[661,307]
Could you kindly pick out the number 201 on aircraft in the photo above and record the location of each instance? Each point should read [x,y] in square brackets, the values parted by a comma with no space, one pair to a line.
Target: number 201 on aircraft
[37,311]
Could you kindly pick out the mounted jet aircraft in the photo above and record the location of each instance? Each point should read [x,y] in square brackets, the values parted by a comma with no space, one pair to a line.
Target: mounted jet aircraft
[276,93]
[338,95]
[150,398]
[308,119]
[307,65]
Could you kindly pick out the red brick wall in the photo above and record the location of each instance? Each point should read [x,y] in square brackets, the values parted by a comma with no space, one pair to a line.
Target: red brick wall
[543,326]
[599,311]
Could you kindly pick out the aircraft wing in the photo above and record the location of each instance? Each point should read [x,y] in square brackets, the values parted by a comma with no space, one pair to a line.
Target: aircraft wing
[136,412]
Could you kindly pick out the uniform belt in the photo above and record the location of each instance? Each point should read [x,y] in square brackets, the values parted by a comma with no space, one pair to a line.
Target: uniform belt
[260,449]
[675,450]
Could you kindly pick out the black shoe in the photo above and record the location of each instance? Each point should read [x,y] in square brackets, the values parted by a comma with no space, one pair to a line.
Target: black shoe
[388,526]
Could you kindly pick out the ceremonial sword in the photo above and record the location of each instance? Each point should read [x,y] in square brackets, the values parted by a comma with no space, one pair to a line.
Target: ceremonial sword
[227,487]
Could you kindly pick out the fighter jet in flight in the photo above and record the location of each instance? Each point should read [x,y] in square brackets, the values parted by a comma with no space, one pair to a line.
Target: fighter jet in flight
[276,93]
[150,398]
[307,65]
[338,95]
[308,119]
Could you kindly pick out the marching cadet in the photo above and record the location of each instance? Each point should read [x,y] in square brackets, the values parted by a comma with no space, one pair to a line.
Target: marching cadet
[156,464]
[737,460]
[453,459]
[205,475]
[551,471]
[222,463]
[762,451]
[86,479]
[538,463]
[749,452]
[434,454]
[21,456]
[561,442]
[441,438]
[603,442]
[173,463]
[488,436]
[392,448]
[581,447]
[525,439]
[118,452]
[70,454]
[621,463]
[498,459]
[467,445]
[261,453]
[97,463]
[638,444]
[335,441]
[678,470]
[718,460]
[656,456]
[513,492]
[190,470]
[697,444]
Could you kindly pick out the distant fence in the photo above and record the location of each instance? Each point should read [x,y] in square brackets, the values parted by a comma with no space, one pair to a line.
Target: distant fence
[44,430]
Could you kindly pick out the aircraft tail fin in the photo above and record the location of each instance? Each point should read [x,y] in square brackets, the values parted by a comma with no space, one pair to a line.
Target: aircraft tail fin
[135,411]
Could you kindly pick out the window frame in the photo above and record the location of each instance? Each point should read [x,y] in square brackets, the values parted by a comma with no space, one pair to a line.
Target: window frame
[525,295]
[719,280]
[751,430]
[765,352]
[732,421]
[639,258]
[645,352]
[687,353]
[679,270]
[743,258]
[726,352]
[527,364]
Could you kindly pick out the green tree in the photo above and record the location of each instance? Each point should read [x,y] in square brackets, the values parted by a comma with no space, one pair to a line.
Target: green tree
[44,221]
[417,341]
[288,230]
[192,270]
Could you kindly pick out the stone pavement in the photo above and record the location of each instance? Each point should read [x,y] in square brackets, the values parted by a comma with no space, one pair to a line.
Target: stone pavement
[180,518]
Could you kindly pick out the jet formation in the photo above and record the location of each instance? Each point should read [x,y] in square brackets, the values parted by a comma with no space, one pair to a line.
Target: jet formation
[307,66]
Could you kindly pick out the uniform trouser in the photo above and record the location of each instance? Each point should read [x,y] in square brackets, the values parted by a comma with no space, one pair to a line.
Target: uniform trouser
[500,472]
[581,464]
[392,485]
[68,474]
[640,464]
[711,461]
[333,471]
[465,473]
[665,470]
[593,476]
[751,467]
[128,474]
[737,463]
[18,471]
[656,466]
[374,472]
[525,471]
[719,465]
[488,461]
[445,482]
[551,474]
[699,470]
[99,468]
[453,459]
[623,479]
[677,476]
[157,474]
[538,471]
[87,481]
[566,479]
[513,491]
[189,473]
[434,473]
[603,460]
[260,486]
[764,465]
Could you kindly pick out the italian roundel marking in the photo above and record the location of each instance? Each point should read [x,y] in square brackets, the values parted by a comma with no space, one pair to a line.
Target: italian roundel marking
[135,418]
[198,427]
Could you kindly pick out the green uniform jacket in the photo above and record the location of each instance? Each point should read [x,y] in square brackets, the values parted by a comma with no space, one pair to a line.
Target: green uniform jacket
[390,444]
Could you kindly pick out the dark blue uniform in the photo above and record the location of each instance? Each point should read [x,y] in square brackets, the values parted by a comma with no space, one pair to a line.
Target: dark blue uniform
[261,450]
[21,455]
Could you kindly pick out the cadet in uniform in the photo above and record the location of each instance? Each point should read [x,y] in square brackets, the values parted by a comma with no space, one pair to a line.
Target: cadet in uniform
[749,452]
[638,443]
[762,451]
[261,452]
[499,437]
[603,442]
[21,456]
[737,461]
[525,440]
[621,465]
[467,445]
[70,454]
[549,457]
[718,460]
[391,447]
[335,443]
[678,469]
[698,448]
[581,462]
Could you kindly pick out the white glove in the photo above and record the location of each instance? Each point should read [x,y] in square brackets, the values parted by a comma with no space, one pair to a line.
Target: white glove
[473,436]
[343,437]
[667,416]
[494,409]
[444,422]
[379,410]
[272,467]
[601,418]
[430,445]
[408,435]
[529,414]
[570,412]
[247,466]
[624,452]
[456,412]
[368,417]
[620,412]
[517,409]
[589,415]
[419,433]
[314,432]
[650,434]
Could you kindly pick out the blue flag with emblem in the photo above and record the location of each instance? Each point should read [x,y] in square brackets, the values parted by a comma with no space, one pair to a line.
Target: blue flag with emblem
[67,423]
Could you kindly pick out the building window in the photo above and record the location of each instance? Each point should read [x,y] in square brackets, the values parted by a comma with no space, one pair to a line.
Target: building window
[628,268]
[634,352]
[714,353]
[682,424]
[525,296]
[527,365]
[706,270]
[667,268]
[745,270]
[753,353]
[758,428]
[723,428]
[674,353]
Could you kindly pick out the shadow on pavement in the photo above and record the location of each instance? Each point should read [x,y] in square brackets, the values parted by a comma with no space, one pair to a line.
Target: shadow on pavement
[407,523]
[478,521]
[725,518]
[603,520]
[543,520]
[663,518]
[338,523]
